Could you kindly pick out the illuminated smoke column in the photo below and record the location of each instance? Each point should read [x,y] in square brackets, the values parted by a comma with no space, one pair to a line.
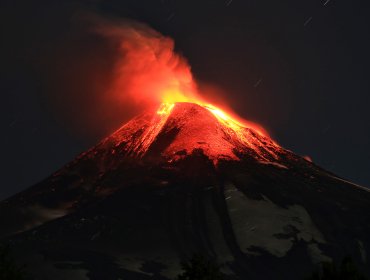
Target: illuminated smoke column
[134,69]
[148,70]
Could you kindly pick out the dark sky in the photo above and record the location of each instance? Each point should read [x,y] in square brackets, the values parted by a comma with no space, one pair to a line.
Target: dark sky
[299,68]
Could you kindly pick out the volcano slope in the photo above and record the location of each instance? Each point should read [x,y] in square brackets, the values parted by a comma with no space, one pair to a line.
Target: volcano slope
[180,181]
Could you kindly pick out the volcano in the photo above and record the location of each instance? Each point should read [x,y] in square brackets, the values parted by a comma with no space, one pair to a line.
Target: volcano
[180,180]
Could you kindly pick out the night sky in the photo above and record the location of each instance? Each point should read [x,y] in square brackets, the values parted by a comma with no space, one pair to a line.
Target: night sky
[299,68]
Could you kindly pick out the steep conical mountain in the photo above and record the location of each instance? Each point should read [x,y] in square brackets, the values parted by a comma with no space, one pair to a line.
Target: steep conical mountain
[180,180]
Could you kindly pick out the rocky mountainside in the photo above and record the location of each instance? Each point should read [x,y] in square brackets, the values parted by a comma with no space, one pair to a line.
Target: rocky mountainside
[181,180]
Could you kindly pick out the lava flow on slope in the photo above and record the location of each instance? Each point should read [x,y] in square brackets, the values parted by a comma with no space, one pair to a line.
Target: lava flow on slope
[190,126]
[182,179]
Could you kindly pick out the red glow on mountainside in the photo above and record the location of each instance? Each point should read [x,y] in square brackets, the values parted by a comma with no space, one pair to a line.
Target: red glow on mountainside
[308,158]
[177,129]
[228,119]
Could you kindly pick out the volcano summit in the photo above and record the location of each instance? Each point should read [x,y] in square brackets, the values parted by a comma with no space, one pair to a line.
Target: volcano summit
[180,180]
[179,129]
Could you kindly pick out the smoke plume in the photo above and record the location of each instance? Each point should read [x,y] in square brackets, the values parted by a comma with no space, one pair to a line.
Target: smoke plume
[107,71]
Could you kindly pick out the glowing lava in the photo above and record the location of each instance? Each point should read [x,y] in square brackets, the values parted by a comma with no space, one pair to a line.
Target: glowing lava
[177,129]
[165,108]
[225,118]
[150,73]
[230,124]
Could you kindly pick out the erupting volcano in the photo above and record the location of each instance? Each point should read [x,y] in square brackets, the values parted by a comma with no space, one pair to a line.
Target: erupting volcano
[183,178]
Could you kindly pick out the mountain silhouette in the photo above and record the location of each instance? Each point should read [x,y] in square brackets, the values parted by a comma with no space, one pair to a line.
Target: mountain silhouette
[180,180]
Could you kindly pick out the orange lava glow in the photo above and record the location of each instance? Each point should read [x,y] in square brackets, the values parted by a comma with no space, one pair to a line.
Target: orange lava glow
[149,72]
[229,119]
